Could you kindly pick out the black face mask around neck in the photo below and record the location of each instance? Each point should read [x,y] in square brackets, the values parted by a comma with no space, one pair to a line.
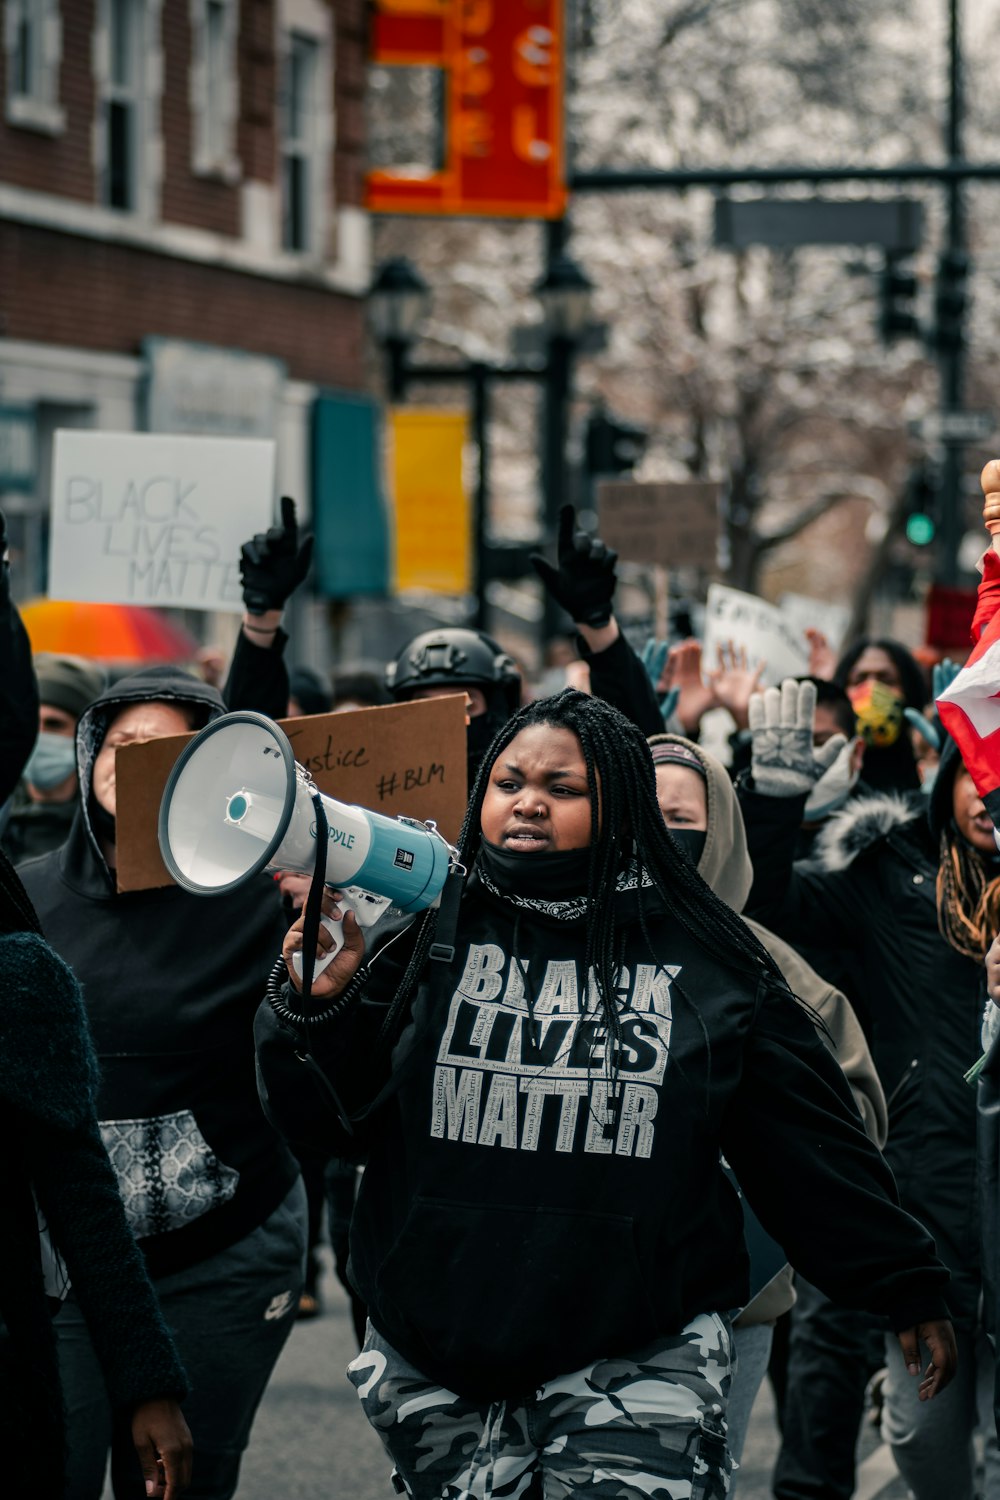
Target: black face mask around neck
[691,840]
[555,876]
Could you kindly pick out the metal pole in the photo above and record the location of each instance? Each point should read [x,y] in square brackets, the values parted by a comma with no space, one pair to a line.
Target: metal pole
[555,424]
[951,360]
[610,179]
[479,383]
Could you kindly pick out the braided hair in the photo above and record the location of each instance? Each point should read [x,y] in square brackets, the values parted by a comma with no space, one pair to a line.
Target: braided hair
[968,897]
[625,819]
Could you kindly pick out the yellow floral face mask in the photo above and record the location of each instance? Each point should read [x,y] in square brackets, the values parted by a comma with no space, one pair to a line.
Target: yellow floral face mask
[879,713]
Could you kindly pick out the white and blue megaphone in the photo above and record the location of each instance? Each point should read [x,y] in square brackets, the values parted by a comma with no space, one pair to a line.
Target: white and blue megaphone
[237,803]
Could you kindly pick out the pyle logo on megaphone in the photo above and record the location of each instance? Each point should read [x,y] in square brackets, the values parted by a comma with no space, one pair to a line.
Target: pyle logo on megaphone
[336,835]
[236,804]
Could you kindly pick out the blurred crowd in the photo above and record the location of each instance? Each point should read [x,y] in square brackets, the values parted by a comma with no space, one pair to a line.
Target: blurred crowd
[827,869]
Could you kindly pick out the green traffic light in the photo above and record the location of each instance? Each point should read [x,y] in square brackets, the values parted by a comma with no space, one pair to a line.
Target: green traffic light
[920,529]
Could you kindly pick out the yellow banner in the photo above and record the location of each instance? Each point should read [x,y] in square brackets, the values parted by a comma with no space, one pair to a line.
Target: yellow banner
[433,516]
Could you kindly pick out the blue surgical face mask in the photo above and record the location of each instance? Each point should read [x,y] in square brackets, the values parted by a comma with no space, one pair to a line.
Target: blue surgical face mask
[51,761]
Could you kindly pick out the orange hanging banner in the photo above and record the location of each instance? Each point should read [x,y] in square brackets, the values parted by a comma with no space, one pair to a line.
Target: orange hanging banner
[503,127]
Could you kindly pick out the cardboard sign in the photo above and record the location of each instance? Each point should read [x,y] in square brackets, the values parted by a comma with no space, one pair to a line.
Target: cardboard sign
[761,628]
[674,525]
[409,758]
[140,518]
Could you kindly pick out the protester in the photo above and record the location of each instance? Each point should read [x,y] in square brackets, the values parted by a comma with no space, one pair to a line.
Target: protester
[64,1225]
[18,689]
[308,693]
[543,1208]
[699,806]
[45,801]
[357,687]
[171,982]
[900,884]
[882,679]
[583,581]
[272,566]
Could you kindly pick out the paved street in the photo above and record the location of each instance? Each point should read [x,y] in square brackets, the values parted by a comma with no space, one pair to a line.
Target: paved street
[312,1443]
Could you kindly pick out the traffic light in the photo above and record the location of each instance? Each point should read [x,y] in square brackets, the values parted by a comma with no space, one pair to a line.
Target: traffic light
[921,505]
[950,301]
[898,291]
[612,447]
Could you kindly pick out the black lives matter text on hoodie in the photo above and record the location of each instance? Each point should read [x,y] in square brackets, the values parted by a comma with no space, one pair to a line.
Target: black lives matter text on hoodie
[519,1217]
[171,982]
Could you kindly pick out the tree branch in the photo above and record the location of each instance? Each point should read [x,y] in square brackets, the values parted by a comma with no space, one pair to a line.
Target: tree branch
[805,518]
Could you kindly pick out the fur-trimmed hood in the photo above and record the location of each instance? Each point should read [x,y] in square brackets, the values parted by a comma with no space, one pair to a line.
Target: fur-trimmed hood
[863,823]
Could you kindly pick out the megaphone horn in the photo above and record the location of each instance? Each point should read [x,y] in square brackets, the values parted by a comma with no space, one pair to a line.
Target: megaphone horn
[236,803]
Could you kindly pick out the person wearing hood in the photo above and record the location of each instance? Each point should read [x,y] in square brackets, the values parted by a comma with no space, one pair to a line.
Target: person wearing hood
[171,982]
[700,807]
[64,1225]
[543,1074]
[18,689]
[43,806]
[908,885]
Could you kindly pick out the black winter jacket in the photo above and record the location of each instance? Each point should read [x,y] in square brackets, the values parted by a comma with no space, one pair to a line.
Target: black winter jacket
[509,1227]
[52,1148]
[871,890]
[171,982]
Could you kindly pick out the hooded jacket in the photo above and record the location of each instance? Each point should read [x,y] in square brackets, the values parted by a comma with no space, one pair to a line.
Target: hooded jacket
[513,1225]
[53,1158]
[871,889]
[724,864]
[171,982]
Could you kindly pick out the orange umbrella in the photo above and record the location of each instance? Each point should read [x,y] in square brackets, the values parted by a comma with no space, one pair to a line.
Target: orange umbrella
[107,632]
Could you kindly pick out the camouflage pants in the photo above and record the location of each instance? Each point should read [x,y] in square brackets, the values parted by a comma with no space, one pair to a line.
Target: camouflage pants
[650,1426]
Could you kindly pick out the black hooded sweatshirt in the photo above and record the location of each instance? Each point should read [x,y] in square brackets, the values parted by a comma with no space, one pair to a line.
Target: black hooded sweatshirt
[510,1227]
[171,982]
[870,892]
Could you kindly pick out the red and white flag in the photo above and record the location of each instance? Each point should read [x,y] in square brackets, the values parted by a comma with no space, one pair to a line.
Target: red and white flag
[969,708]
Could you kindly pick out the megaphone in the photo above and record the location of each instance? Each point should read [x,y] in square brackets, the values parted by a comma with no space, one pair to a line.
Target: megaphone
[237,803]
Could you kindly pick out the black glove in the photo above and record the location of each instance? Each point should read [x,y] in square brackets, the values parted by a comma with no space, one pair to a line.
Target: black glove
[584,582]
[274,564]
[4,562]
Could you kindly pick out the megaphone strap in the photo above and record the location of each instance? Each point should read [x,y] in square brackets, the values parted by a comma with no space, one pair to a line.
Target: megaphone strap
[442,949]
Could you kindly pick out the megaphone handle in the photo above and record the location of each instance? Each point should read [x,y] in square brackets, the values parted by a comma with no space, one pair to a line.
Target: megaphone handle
[336,930]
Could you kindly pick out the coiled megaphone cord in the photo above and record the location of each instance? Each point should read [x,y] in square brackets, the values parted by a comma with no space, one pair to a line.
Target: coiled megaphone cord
[310,937]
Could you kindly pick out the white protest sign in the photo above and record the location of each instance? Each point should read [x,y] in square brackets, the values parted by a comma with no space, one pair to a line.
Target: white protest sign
[145,518]
[760,628]
[817,614]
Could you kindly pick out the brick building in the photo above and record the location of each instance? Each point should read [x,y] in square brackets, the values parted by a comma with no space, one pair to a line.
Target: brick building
[182,240]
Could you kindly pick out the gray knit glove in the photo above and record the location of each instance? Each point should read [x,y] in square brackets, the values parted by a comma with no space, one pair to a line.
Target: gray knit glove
[783,762]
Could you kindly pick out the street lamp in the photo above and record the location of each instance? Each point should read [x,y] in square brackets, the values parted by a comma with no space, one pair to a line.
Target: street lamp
[398,302]
[565,293]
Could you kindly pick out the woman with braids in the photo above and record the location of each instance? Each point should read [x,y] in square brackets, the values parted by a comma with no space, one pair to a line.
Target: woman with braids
[63,1223]
[909,890]
[542,1077]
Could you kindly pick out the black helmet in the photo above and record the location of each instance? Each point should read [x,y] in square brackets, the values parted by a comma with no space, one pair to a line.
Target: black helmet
[454,658]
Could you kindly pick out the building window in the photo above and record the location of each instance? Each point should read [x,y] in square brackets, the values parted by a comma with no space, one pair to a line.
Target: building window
[299,139]
[214,87]
[33,44]
[123,103]
[128,87]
